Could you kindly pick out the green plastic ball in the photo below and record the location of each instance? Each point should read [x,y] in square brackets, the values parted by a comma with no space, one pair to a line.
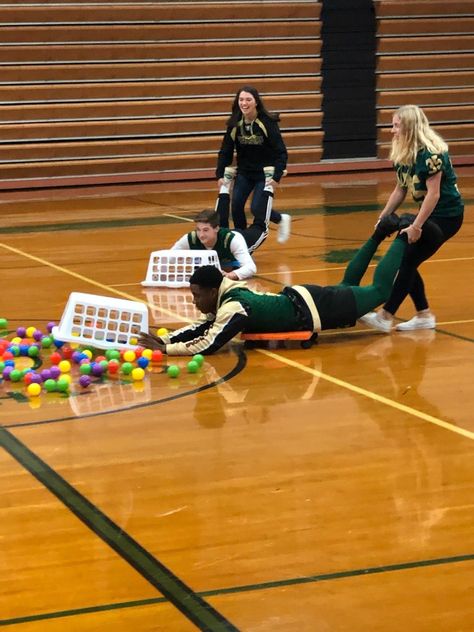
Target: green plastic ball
[173,370]
[50,385]
[193,366]
[3,323]
[15,375]
[127,368]
[199,359]
[46,342]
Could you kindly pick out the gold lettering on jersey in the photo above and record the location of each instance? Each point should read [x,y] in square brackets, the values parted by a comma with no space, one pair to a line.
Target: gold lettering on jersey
[254,139]
[434,164]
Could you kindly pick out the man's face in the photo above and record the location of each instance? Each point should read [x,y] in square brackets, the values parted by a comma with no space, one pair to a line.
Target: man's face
[204,298]
[207,234]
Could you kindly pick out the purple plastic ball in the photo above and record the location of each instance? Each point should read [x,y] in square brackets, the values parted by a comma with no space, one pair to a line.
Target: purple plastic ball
[84,381]
[50,326]
[38,335]
[55,372]
[6,372]
[36,377]
[21,332]
[45,375]
[97,369]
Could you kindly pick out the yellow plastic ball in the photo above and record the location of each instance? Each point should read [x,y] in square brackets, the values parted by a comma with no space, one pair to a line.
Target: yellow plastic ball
[129,356]
[66,378]
[147,353]
[30,331]
[138,374]
[33,389]
[88,353]
[16,340]
[64,366]
[162,331]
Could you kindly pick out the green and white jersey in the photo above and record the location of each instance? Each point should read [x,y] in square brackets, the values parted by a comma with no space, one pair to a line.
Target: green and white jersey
[428,164]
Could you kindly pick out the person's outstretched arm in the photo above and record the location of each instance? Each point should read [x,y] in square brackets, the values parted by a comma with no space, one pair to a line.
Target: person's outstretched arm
[240,252]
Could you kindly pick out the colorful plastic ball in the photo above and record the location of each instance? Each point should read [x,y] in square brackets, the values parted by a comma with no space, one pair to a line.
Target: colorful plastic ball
[97,369]
[6,372]
[138,374]
[50,326]
[2,366]
[127,368]
[85,369]
[30,331]
[67,352]
[7,355]
[58,343]
[55,357]
[3,323]
[138,352]
[50,385]
[173,370]
[38,335]
[88,353]
[114,366]
[64,366]
[129,356]
[192,366]
[100,358]
[46,342]
[162,331]
[143,362]
[15,375]
[10,362]
[66,377]
[85,381]
[156,355]
[33,389]
[55,372]
[33,351]
[24,349]
[76,357]
[14,350]
[112,354]
[45,375]
[62,385]
[147,353]
[21,332]
[35,378]
[199,359]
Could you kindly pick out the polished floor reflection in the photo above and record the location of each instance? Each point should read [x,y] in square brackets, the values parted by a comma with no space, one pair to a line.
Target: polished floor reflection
[276,489]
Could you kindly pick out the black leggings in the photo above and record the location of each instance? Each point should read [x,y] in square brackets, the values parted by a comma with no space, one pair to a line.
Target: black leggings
[436,230]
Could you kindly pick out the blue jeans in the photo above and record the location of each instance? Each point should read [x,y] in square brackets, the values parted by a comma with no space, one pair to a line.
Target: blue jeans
[243,187]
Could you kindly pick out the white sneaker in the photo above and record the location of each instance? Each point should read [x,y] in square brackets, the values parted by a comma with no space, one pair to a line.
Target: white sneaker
[284,228]
[417,322]
[374,321]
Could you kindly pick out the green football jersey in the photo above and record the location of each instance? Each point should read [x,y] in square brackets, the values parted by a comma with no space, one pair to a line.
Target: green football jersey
[429,164]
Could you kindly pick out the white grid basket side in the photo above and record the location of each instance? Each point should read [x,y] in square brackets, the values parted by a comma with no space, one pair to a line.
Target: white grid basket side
[173,268]
[101,321]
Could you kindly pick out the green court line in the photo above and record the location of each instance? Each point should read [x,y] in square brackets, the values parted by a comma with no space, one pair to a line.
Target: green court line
[309,579]
[202,614]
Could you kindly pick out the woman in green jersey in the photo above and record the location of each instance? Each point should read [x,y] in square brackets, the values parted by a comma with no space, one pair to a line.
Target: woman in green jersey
[423,165]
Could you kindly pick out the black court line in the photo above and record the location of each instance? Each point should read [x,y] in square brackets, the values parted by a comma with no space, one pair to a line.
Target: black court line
[201,613]
[294,581]
[241,364]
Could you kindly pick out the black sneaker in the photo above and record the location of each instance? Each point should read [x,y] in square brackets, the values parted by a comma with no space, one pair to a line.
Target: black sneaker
[387,225]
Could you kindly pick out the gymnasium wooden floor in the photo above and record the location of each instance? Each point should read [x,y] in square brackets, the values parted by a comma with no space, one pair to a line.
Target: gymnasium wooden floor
[277,490]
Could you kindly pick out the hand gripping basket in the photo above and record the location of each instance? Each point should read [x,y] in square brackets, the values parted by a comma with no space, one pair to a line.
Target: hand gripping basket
[173,268]
[101,321]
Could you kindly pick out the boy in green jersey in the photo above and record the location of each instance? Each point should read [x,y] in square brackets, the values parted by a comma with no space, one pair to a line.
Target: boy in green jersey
[229,307]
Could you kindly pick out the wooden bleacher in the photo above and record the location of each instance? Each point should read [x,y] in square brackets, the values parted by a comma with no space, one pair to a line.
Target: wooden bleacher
[426,57]
[129,92]
[110,92]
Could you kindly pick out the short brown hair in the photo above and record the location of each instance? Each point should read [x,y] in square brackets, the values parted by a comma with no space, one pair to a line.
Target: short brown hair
[208,216]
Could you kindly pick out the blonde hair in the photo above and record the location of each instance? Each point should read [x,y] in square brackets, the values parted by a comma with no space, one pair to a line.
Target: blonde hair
[415,134]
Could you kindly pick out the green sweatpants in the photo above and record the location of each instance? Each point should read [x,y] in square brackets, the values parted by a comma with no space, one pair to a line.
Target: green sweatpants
[368,297]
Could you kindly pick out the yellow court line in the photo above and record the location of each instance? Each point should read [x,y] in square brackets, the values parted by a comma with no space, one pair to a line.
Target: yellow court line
[378,398]
[184,219]
[92,282]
